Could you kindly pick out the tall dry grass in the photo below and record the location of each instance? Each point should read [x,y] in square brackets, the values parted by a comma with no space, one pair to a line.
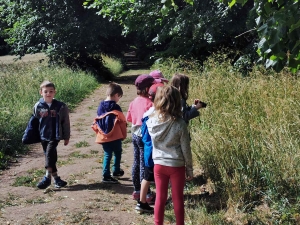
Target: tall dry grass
[247,139]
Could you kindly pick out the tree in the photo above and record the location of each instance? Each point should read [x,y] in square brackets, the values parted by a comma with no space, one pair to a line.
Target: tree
[176,28]
[195,25]
[65,30]
[278,27]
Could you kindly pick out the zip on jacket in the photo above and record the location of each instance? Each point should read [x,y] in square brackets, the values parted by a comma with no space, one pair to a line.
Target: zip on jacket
[54,122]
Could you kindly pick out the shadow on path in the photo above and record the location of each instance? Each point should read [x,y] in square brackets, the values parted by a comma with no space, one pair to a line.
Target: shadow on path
[119,188]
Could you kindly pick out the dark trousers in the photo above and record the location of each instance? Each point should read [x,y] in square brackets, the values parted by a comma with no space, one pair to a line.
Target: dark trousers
[138,165]
[50,152]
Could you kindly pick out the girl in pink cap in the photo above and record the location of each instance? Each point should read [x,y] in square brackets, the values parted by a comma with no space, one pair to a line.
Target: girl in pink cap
[158,76]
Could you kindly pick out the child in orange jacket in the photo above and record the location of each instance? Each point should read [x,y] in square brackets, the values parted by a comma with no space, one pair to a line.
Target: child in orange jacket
[110,127]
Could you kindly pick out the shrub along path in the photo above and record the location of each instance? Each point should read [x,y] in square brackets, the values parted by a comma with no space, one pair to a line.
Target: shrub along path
[85,200]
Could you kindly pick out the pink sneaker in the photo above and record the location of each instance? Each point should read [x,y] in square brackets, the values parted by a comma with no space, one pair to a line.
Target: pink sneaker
[136,195]
[151,198]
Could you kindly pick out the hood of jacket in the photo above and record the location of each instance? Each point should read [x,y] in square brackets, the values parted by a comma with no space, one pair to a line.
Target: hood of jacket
[107,106]
[157,128]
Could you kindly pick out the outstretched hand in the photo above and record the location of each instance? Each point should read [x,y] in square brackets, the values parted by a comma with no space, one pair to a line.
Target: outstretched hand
[198,104]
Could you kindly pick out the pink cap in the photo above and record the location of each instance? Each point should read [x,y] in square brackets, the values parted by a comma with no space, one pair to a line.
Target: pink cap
[153,89]
[143,81]
[157,75]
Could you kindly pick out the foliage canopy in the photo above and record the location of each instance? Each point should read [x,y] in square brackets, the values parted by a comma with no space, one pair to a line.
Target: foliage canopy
[278,27]
[194,26]
[65,30]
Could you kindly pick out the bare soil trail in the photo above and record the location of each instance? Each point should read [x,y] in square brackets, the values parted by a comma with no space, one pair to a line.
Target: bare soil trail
[85,200]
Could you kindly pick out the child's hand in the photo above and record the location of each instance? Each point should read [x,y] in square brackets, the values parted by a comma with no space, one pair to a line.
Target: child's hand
[199,104]
[66,142]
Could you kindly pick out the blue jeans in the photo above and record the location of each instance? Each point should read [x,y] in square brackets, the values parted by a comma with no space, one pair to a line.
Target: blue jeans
[110,148]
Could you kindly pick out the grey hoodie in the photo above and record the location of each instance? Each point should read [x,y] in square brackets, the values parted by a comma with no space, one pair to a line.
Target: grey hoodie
[171,143]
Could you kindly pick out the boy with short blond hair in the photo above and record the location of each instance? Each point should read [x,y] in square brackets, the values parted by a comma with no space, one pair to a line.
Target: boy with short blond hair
[54,125]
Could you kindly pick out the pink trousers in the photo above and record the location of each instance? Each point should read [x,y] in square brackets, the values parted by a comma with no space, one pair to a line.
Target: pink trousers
[162,176]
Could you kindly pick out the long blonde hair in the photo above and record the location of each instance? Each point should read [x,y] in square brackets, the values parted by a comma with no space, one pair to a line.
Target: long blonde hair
[167,102]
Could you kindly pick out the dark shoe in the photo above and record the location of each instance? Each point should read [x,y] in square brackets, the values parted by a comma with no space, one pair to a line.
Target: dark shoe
[59,183]
[144,208]
[118,174]
[109,180]
[44,183]
[150,198]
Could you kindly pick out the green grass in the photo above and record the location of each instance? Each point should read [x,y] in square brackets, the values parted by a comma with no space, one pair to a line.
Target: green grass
[19,84]
[82,144]
[77,154]
[113,64]
[29,180]
[9,200]
[246,141]
[127,140]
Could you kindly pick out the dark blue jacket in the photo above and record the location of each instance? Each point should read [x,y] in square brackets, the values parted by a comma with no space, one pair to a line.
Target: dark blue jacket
[54,122]
[32,133]
[107,123]
[146,138]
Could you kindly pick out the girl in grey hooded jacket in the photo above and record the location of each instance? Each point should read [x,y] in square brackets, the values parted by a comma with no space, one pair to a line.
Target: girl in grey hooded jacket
[171,152]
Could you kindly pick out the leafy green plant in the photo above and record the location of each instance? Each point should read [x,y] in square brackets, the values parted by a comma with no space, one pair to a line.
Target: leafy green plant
[113,64]
[29,180]
[278,27]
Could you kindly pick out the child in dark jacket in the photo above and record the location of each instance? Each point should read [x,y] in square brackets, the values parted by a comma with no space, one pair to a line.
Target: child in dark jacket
[181,82]
[54,125]
[110,132]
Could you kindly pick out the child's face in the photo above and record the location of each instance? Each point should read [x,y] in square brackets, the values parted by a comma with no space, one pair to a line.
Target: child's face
[48,94]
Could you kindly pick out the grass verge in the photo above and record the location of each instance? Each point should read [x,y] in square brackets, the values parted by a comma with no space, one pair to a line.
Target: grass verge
[246,141]
[19,85]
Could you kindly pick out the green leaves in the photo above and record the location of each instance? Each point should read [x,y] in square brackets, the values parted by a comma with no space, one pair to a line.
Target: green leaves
[279,31]
[69,33]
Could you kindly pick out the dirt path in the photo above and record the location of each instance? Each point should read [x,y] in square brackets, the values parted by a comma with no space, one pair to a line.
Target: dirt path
[85,200]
